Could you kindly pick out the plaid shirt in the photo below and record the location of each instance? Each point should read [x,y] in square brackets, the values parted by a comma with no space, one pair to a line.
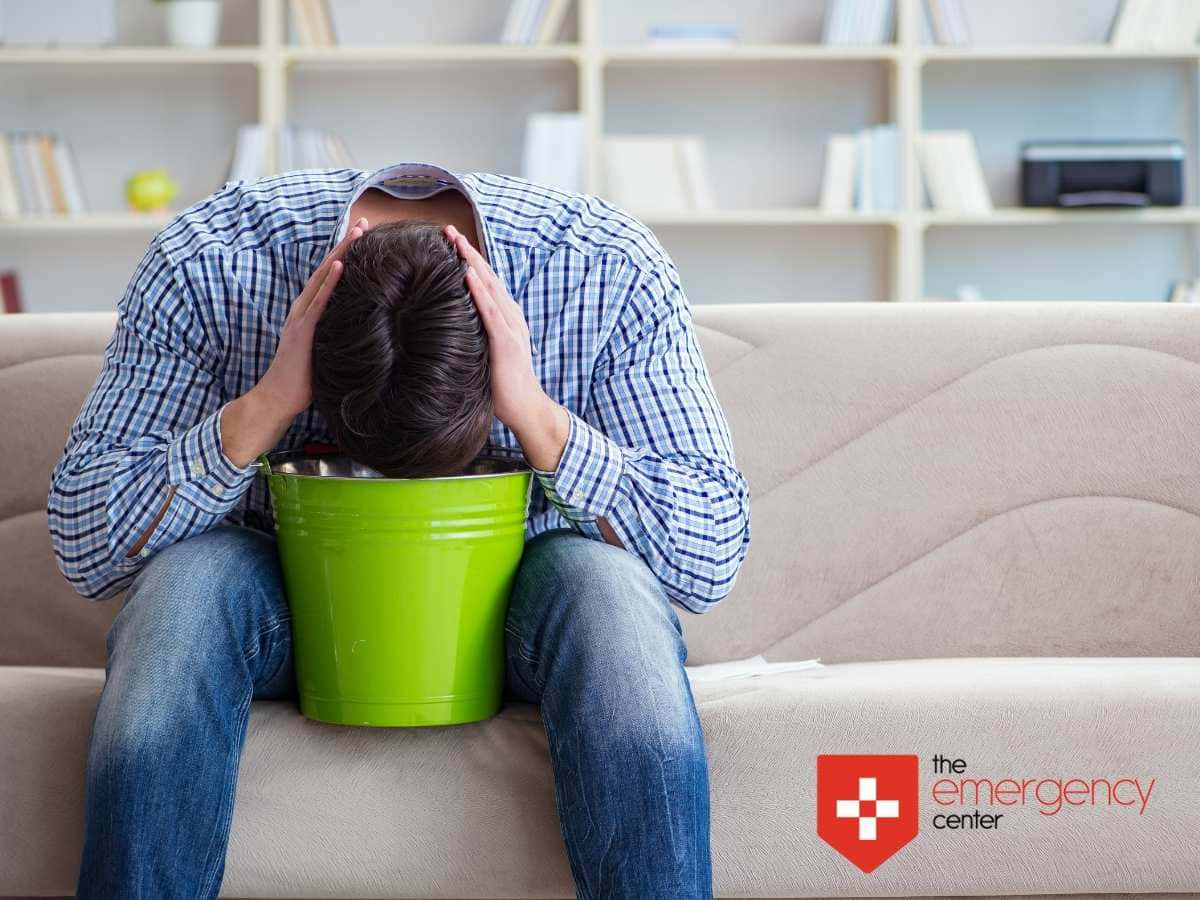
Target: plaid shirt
[648,449]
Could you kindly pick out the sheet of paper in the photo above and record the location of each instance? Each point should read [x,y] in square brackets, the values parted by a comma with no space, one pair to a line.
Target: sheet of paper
[746,668]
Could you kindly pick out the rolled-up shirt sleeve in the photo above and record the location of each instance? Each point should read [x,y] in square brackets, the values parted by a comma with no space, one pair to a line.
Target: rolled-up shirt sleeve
[651,451]
[151,422]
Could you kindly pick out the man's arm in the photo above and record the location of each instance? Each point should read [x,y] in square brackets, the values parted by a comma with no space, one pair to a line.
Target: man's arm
[654,470]
[156,453]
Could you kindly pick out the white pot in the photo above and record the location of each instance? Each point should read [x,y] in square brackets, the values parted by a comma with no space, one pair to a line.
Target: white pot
[193,23]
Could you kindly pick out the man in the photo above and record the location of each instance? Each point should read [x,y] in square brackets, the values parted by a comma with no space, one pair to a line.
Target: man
[575,315]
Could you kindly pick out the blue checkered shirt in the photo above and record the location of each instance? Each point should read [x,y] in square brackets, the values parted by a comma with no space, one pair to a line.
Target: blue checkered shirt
[648,449]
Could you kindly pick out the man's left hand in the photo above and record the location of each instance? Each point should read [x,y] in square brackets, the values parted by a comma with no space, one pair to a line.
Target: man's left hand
[540,424]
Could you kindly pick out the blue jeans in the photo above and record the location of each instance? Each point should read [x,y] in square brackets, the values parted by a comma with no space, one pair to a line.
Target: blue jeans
[206,629]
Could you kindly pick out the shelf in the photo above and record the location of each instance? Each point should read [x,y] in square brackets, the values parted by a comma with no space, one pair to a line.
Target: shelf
[751,217]
[405,53]
[1169,215]
[747,53]
[1050,52]
[128,55]
[87,222]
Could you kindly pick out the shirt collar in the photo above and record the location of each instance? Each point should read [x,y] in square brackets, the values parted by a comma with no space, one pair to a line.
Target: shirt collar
[414,181]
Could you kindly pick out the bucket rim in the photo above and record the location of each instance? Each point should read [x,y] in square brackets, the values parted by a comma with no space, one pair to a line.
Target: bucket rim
[266,462]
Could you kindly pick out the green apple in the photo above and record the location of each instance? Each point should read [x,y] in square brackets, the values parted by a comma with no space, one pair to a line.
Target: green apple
[150,190]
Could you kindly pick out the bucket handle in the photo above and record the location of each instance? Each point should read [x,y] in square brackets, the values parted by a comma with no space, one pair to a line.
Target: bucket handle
[264,467]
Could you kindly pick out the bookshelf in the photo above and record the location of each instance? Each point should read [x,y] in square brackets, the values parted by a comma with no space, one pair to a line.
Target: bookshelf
[764,107]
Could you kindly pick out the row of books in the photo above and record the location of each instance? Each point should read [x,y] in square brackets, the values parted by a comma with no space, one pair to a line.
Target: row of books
[953,175]
[858,22]
[299,148]
[948,22]
[38,175]
[312,23]
[862,171]
[659,173]
[533,21]
[1155,23]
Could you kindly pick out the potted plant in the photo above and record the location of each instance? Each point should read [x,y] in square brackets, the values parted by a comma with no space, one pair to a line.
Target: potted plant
[192,23]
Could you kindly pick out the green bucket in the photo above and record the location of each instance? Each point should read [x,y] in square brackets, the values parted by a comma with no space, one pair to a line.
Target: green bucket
[398,587]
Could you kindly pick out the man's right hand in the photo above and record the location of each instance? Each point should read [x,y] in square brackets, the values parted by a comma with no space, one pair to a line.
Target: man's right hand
[253,423]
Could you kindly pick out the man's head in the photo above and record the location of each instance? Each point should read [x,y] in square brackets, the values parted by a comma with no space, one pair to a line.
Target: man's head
[400,356]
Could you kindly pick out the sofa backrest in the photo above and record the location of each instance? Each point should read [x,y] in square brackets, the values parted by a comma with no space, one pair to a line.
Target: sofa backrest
[927,480]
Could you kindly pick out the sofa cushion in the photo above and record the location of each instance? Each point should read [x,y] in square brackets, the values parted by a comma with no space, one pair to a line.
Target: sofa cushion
[984,479]
[468,811]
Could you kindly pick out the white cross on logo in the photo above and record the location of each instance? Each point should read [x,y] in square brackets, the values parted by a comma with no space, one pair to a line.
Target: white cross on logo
[878,809]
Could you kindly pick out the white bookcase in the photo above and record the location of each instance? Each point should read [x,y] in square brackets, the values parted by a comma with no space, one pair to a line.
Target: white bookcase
[420,81]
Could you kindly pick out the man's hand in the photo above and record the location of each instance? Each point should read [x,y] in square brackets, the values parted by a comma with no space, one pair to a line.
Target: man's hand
[540,424]
[253,423]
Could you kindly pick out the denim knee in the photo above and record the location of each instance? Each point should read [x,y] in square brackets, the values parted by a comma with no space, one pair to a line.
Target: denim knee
[591,619]
[208,594]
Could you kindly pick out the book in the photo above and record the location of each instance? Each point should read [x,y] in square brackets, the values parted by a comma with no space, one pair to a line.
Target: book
[45,151]
[10,197]
[553,150]
[858,22]
[10,293]
[532,20]
[69,175]
[23,177]
[953,175]
[1155,24]
[884,143]
[644,171]
[323,23]
[692,34]
[862,171]
[511,30]
[837,181]
[552,21]
[312,23]
[948,22]
[41,190]
[693,162]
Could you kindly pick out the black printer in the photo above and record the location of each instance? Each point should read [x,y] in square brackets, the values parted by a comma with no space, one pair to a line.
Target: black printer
[1102,173]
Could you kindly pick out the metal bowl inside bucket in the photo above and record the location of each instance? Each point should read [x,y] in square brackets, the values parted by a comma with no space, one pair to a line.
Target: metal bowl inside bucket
[398,587]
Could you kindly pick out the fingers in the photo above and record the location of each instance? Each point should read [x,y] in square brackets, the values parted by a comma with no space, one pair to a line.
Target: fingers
[489,312]
[355,230]
[488,278]
[317,279]
[321,298]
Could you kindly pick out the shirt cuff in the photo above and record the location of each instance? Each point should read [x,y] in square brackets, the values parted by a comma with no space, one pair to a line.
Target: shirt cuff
[588,476]
[200,470]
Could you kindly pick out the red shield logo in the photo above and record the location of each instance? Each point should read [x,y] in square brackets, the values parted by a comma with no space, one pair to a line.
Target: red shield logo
[867,805]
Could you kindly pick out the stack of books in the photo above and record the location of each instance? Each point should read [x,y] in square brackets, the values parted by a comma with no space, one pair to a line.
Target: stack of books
[312,24]
[38,176]
[299,148]
[953,175]
[948,22]
[553,152]
[658,173]
[862,171]
[533,21]
[858,22]
[1155,23]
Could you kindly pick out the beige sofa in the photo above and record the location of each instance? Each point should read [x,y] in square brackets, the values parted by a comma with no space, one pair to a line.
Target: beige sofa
[985,519]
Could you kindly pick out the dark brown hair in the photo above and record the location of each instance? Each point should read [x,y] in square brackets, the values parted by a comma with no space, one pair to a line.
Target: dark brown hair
[400,357]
